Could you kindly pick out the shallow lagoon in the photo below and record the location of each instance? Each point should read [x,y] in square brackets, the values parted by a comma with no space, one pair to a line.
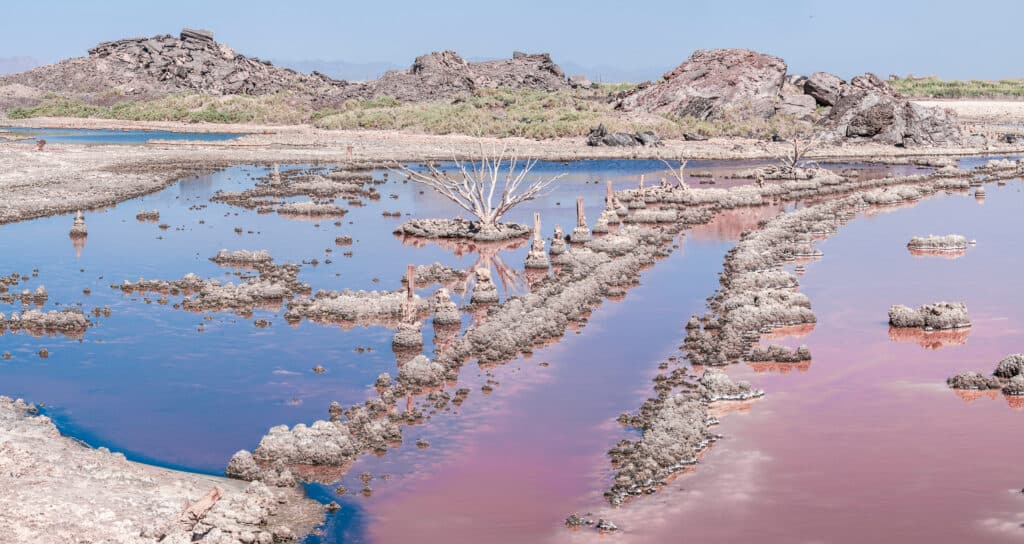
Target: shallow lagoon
[111,136]
[514,462]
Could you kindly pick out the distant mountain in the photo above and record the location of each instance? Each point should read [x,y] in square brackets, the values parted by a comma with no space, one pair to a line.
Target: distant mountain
[339,69]
[13,65]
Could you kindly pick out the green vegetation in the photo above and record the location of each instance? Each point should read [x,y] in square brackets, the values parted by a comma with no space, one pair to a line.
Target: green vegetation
[493,112]
[193,108]
[499,112]
[933,87]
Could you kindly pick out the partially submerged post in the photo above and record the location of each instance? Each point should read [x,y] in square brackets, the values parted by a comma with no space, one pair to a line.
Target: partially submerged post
[446,313]
[409,308]
[536,258]
[78,229]
[608,216]
[557,241]
[78,233]
[410,282]
[484,290]
[581,233]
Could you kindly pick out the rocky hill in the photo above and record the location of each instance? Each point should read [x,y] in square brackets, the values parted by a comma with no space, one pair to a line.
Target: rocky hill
[712,84]
[161,65]
[446,75]
[742,84]
[141,68]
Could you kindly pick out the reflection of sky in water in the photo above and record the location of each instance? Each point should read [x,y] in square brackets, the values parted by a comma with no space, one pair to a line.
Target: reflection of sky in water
[108,136]
[144,381]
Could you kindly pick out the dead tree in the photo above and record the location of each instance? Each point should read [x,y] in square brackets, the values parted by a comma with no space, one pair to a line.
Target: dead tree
[799,145]
[474,185]
[678,174]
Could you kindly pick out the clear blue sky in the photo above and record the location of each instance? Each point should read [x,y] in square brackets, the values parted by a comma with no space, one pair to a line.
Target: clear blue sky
[953,39]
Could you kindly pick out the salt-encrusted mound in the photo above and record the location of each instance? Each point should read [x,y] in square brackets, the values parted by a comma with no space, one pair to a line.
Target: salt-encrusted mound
[421,372]
[462,229]
[949,242]
[940,315]
[1008,376]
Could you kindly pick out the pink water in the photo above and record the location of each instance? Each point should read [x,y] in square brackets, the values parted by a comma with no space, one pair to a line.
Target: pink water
[863,444]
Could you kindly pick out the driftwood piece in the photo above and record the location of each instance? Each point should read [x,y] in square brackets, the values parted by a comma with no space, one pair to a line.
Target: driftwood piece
[198,509]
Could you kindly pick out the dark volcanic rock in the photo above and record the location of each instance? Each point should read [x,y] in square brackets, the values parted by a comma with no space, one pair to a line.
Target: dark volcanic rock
[824,87]
[870,109]
[199,35]
[600,136]
[714,83]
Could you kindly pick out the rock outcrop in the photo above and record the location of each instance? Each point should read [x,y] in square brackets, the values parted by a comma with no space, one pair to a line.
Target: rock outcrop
[868,108]
[601,137]
[445,75]
[741,84]
[142,68]
[824,87]
[712,84]
[161,65]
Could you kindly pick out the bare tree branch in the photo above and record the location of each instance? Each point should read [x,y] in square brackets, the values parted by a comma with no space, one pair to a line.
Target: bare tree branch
[677,174]
[476,182]
[800,145]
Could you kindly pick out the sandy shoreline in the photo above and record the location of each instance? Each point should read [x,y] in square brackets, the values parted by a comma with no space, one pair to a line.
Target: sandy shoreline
[55,489]
[65,178]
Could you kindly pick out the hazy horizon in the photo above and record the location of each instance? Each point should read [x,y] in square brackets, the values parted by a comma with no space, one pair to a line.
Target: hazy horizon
[599,39]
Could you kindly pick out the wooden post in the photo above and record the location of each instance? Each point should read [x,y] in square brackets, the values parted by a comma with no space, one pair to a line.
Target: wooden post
[641,182]
[536,225]
[581,219]
[410,281]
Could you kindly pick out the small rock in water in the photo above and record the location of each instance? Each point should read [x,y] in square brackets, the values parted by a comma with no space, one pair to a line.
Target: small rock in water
[574,520]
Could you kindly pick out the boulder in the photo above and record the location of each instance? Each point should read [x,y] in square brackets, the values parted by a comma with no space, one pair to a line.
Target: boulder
[824,87]
[601,137]
[580,82]
[713,84]
[867,110]
[873,83]
[198,35]
[796,105]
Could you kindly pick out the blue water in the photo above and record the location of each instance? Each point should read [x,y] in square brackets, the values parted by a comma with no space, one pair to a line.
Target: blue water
[147,382]
[107,136]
